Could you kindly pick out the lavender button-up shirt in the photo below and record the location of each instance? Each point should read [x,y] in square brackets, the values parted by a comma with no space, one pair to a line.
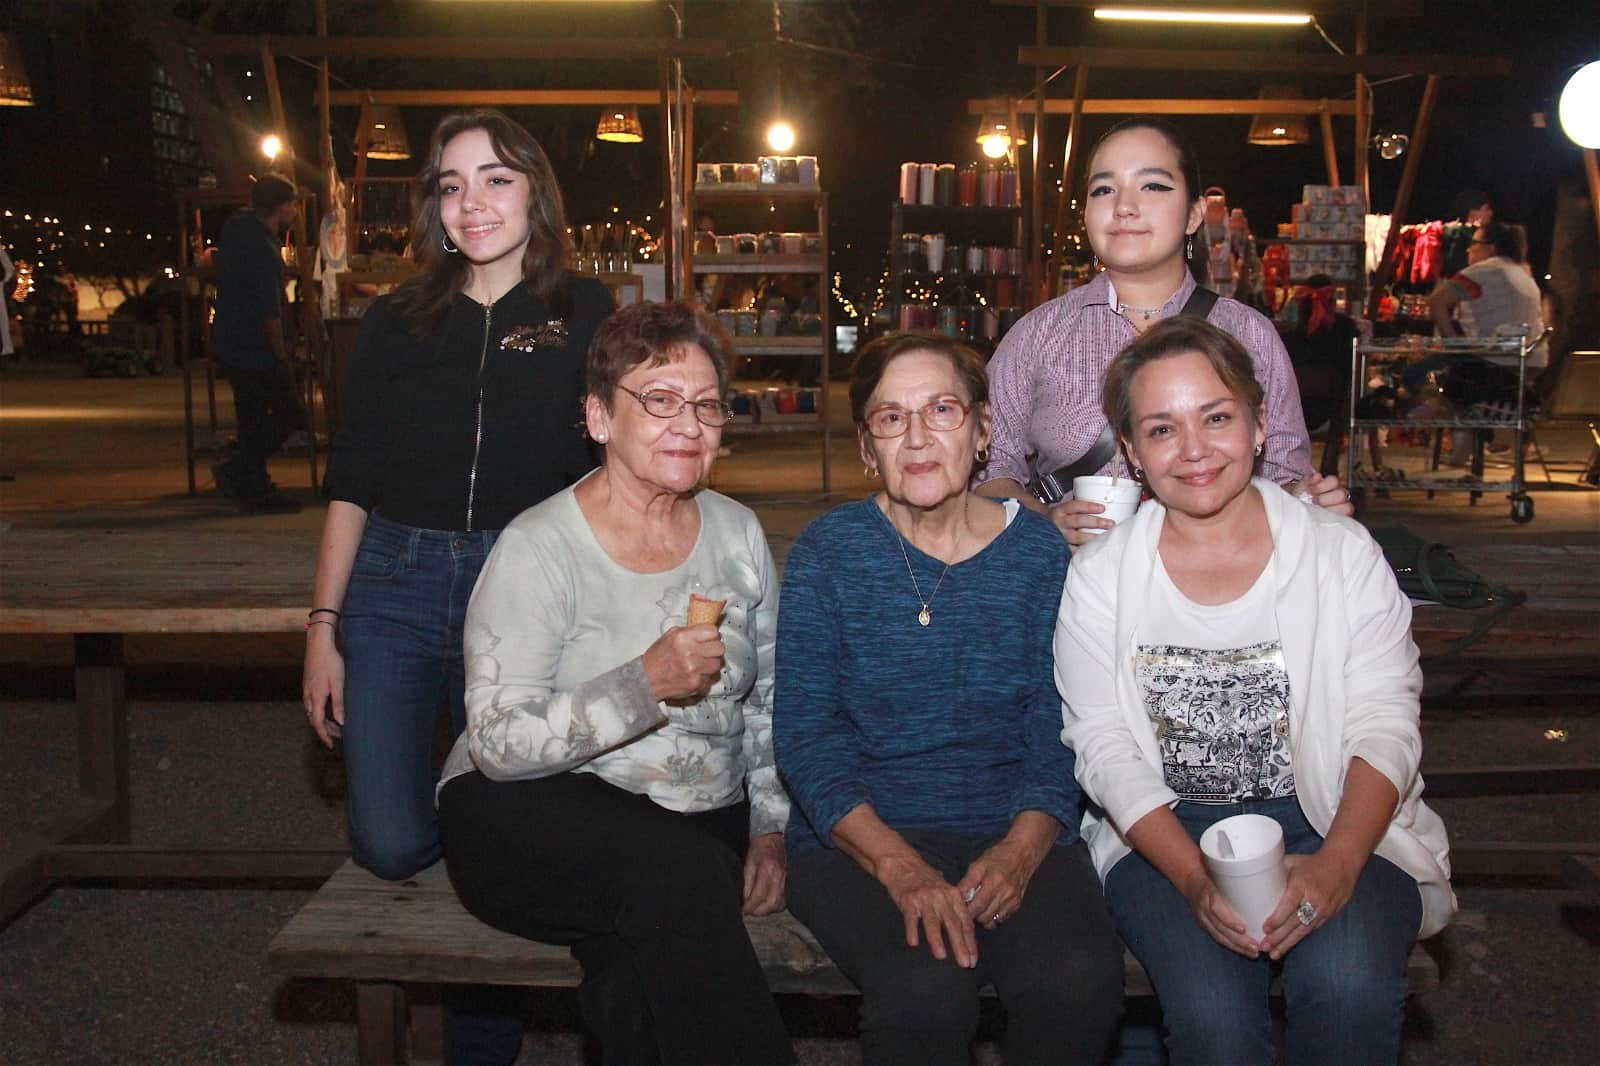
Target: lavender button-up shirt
[1046,375]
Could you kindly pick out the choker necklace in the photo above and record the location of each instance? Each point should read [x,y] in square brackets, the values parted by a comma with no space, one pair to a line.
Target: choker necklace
[925,616]
[1147,312]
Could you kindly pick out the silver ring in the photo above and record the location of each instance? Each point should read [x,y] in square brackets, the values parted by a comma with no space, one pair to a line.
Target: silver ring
[1306,912]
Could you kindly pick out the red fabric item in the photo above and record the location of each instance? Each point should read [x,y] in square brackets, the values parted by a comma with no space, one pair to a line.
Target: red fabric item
[1427,262]
[1275,275]
[1469,289]
[1404,245]
[1316,307]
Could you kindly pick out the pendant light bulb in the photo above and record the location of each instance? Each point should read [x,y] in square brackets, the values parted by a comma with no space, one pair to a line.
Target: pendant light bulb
[271,145]
[780,136]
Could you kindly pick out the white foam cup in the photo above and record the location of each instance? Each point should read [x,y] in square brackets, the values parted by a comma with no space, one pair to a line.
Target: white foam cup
[1120,496]
[1253,878]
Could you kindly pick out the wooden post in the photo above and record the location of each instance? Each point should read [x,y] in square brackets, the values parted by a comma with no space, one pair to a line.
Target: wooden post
[103,728]
[1035,279]
[1329,155]
[1080,87]
[685,182]
[1358,164]
[1591,171]
[670,253]
[1402,199]
[359,184]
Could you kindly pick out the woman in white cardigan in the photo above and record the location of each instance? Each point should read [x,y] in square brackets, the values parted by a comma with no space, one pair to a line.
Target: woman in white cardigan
[1230,650]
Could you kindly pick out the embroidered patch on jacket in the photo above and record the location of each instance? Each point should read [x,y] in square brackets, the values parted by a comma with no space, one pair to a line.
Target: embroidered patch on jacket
[551,334]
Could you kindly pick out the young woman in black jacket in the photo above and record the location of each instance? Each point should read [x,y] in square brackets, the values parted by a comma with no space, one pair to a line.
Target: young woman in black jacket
[462,409]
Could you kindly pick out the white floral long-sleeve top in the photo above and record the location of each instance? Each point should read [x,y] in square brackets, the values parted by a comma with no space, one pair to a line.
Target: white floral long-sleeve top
[555,635]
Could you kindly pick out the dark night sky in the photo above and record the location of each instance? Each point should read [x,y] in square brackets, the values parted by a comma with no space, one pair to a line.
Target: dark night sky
[902,96]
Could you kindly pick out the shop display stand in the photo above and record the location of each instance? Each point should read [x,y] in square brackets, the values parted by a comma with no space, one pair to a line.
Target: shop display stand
[995,225]
[1355,289]
[764,201]
[1389,357]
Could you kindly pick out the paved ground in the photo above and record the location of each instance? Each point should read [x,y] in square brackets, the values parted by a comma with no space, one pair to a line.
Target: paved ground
[174,974]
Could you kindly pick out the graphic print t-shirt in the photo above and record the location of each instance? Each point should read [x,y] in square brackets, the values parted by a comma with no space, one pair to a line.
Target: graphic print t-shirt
[1214,684]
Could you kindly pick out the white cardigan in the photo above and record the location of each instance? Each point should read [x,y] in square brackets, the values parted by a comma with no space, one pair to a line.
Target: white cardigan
[1354,681]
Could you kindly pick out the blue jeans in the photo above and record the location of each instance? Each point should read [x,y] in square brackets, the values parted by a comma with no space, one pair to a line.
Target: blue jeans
[1344,985]
[402,625]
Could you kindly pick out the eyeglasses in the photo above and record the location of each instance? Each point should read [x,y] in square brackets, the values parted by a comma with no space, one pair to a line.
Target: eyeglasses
[664,403]
[942,415]
[1477,241]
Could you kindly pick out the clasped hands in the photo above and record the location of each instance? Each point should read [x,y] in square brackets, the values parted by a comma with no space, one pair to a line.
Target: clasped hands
[1321,879]
[947,915]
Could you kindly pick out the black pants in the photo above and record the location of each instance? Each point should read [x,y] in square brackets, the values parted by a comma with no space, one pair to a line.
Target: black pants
[1056,964]
[268,411]
[649,900]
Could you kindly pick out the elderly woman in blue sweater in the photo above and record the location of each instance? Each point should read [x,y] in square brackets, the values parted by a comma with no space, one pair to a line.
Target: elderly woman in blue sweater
[933,843]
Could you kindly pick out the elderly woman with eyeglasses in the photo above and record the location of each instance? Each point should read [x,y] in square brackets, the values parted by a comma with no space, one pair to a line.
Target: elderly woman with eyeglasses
[933,847]
[615,789]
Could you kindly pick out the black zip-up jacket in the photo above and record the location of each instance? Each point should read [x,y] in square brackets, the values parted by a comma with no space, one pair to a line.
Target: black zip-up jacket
[464,429]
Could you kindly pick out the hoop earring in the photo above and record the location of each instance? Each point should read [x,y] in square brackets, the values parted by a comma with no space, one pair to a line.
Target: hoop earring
[982,456]
[1138,474]
[449,247]
[1188,248]
[870,471]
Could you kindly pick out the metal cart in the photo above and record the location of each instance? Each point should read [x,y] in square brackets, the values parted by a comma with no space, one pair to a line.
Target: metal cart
[1376,364]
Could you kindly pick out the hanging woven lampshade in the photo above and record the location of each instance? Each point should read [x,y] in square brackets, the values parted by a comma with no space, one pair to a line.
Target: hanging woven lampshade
[1270,129]
[620,125]
[15,90]
[386,133]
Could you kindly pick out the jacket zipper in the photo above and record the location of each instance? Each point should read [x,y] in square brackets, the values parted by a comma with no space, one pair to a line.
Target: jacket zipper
[477,442]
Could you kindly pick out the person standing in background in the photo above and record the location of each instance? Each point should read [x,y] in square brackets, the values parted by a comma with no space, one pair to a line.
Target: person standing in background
[248,341]
[7,272]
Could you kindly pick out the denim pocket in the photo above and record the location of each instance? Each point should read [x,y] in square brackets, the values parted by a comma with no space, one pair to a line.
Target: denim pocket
[373,565]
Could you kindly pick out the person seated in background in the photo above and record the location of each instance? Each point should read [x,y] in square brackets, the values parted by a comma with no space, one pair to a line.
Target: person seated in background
[1225,651]
[933,844]
[1493,295]
[614,789]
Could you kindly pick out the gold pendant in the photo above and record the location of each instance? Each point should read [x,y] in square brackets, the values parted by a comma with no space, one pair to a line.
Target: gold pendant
[925,616]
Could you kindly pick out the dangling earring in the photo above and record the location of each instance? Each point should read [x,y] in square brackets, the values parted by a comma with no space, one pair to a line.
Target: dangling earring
[448,246]
[1259,449]
[1095,261]
[982,456]
[1188,247]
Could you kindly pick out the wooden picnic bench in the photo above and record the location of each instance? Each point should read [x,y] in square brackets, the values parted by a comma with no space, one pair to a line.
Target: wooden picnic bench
[393,939]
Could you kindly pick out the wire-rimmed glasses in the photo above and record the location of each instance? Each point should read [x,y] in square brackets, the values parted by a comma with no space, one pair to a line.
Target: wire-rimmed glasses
[664,403]
[942,415]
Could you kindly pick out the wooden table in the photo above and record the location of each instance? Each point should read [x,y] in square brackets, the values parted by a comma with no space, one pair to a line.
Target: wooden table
[97,586]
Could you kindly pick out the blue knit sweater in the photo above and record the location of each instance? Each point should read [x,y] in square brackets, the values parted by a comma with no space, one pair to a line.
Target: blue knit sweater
[955,727]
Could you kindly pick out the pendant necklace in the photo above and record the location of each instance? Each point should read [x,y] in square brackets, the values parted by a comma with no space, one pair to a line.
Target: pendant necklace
[1147,312]
[925,616]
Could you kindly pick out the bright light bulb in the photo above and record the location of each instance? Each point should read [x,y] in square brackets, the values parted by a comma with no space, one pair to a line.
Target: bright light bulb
[780,136]
[271,145]
[1579,109]
[996,145]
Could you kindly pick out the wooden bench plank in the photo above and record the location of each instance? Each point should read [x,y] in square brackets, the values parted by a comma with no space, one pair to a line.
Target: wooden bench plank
[364,929]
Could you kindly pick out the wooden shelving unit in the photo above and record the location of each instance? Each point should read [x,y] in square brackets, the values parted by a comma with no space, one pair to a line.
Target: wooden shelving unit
[743,202]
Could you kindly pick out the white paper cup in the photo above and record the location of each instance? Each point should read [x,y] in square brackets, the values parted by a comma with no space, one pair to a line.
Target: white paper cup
[1121,496]
[1253,879]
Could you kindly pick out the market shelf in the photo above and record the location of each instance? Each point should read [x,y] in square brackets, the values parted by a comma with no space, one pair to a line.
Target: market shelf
[759,263]
[811,346]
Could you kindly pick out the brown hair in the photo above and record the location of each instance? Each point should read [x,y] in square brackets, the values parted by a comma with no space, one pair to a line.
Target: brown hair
[422,301]
[270,192]
[1171,337]
[653,333]
[875,358]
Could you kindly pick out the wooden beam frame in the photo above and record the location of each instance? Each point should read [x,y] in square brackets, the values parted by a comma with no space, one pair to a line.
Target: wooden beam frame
[1069,157]
[1246,62]
[1402,198]
[522,97]
[1134,105]
[1322,7]
[313,47]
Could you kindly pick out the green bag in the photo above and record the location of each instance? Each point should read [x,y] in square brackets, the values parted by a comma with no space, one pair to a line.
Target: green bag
[1428,571]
